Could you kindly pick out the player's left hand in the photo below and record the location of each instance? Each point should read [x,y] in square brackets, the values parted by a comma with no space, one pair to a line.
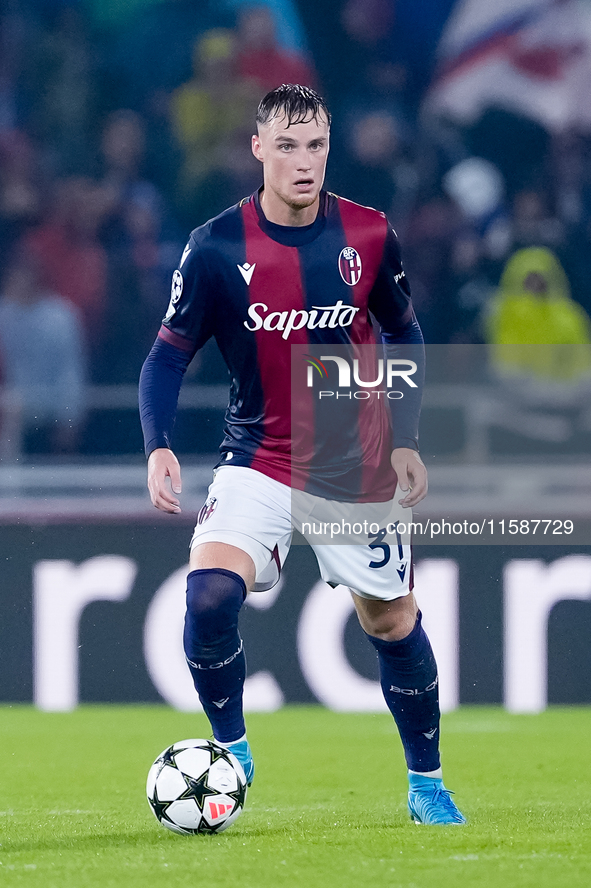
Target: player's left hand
[412,475]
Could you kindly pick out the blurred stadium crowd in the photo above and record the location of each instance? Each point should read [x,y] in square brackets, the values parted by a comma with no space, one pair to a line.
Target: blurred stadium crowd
[125,125]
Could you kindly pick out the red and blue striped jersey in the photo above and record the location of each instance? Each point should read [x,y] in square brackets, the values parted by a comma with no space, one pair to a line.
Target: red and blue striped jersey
[260,288]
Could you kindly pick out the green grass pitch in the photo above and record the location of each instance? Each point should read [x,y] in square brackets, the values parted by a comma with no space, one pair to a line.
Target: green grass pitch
[327,807]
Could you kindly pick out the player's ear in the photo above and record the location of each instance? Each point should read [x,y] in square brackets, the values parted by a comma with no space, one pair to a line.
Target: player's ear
[257,148]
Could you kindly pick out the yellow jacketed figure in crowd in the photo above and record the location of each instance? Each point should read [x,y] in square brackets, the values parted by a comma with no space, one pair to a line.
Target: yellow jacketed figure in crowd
[535,328]
[207,109]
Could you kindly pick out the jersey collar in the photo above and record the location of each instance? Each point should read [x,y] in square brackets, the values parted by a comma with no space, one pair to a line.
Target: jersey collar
[290,235]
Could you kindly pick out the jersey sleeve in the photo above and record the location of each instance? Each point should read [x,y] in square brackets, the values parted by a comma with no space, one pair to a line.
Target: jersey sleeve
[189,320]
[390,300]
[160,384]
[390,303]
[186,327]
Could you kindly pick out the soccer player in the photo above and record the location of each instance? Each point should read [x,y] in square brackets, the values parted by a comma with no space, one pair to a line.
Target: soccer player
[293,265]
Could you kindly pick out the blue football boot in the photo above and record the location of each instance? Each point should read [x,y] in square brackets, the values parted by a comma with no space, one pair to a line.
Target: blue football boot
[241,750]
[430,802]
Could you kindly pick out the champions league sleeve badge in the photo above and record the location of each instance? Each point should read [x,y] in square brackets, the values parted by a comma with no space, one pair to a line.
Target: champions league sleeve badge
[350,265]
[176,291]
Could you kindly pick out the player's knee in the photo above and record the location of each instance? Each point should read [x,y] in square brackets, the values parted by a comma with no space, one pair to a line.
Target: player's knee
[389,621]
[214,591]
[214,599]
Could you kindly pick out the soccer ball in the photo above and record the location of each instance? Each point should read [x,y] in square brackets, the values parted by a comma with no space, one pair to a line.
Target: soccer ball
[196,786]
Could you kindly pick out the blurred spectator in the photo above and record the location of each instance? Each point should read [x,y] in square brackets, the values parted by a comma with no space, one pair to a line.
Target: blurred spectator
[368,21]
[208,110]
[503,184]
[403,30]
[237,175]
[374,132]
[63,89]
[533,309]
[468,289]
[73,262]
[570,174]
[567,158]
[123,143]
[381,86]
[141,253]
[465,258]
[290,32]
[432,231]
[140,268]
[42,348]
[163,153]
[375,172]
[261,59]
[12,41]
[20,189]
[151,49]
[375,76]
[533,223]
[477,187]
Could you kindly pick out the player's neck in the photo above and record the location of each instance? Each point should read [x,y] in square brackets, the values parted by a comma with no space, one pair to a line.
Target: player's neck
[277,211]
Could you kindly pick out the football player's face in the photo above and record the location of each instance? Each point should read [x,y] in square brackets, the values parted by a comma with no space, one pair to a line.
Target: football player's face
[294,159]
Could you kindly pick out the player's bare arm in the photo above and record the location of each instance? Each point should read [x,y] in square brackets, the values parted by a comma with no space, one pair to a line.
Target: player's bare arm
[164,480]
[412,475]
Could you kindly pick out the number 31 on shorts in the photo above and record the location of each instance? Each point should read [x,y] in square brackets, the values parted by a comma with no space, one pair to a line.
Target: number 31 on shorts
[383,548]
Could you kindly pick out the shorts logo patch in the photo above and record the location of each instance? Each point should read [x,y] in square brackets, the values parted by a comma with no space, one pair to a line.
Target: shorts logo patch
[207,509]
[350,266]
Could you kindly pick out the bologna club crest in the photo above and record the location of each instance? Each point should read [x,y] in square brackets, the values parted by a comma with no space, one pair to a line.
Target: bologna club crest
[350,265]
[207,510]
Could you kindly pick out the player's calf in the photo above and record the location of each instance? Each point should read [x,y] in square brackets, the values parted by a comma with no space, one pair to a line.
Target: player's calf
[214,649]
[408,676]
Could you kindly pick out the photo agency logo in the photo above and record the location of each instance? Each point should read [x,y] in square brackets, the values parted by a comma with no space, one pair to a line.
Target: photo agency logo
[389,372]
[345,400]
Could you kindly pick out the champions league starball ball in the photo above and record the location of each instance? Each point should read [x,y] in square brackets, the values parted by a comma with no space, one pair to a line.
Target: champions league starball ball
[196,786]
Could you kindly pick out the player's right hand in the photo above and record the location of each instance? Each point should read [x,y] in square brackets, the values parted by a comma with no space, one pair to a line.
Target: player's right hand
[162,466]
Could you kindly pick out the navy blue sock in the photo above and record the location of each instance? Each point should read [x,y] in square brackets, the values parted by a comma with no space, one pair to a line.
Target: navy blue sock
[214,650]
[408,675]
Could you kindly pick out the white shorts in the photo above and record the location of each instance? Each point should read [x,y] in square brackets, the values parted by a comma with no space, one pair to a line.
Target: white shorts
[253,512]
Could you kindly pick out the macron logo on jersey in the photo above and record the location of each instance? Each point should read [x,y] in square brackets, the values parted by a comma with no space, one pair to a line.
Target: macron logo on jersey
[186,252]
[246,271]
